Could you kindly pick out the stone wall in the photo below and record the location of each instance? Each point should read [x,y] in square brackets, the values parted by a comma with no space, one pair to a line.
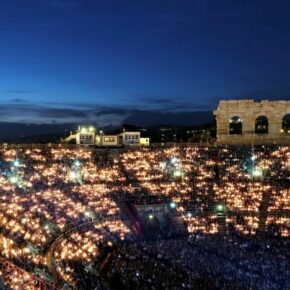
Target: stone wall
[248,111]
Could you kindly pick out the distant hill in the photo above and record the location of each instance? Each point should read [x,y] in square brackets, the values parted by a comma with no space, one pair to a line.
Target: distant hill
[18,131]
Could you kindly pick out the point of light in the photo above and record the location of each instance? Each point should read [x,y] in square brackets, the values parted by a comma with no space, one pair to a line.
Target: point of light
[91,129]
[257,172]
[77,163]
[73,175]
[253,157]
[173,160]
[220,207]
[172,204]
[16,163]
[177,173]
[151,216]
[13,179]
[189,214]
[89,214]
[162,165]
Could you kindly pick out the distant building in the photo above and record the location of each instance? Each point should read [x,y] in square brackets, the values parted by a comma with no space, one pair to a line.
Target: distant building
[129,138]
[109,140]
[84,136]
[144,141]
[87,136]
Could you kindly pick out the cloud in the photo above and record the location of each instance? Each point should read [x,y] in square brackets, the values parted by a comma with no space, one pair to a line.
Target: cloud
[18,110]
[20,92]
[157,101]
[169,103]
[18,100]
[112,111]
[61,113]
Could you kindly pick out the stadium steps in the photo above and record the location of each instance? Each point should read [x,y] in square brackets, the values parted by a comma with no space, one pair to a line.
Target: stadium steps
[178,225]
[263,212]
[222,227]
[130,218]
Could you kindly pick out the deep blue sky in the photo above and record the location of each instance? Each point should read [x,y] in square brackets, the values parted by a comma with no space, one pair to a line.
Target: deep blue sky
[101,60]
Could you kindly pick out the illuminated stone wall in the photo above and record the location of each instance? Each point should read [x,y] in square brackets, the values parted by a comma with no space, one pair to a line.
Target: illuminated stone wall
[248,111]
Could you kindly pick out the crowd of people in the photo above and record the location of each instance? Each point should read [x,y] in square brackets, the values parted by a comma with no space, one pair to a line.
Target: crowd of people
[221,262]
[244,180]
[48,193]
[44,192]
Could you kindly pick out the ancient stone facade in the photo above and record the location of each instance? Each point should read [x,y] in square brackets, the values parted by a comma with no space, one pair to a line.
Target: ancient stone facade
[246,113]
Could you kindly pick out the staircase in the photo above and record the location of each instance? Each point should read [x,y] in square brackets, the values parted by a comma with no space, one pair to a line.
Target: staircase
[263,212]
[178,225]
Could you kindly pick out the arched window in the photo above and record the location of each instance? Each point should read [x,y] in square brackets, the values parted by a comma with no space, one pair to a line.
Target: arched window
[236,125]
[262,125]
[286,124]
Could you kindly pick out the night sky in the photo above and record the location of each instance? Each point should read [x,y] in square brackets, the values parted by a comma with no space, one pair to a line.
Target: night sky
[104,61]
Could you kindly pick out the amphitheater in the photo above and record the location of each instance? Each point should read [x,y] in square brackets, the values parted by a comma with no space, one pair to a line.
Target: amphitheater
[74,218]
[248,121]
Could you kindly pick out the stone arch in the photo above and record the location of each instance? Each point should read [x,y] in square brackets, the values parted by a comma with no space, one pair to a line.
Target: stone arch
[243,132]
[236,125]
[262,125]
[286,124]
